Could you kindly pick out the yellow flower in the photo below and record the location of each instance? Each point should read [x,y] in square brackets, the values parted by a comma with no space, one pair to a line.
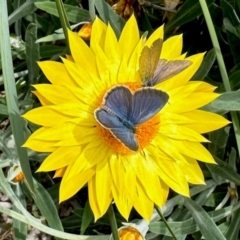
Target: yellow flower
[85,31]
[130,233]
[85,151]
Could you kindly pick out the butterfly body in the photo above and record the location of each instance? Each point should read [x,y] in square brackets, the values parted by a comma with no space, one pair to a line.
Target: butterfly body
[122,111]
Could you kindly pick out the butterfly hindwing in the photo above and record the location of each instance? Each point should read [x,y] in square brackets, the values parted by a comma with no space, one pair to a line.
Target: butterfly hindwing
[126,137]
[112,122]
[146,103]
[107,119]
[167,69]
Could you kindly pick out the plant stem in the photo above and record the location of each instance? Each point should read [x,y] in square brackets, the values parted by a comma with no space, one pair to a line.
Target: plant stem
[165,222]
[64,21]
[221,64]
[113,223]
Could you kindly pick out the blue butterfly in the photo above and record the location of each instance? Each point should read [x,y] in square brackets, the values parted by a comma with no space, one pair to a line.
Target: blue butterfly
[123,110]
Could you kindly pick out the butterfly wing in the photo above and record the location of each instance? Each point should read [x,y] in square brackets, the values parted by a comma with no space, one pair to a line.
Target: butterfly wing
[112,122]
[119,101]
[148,60]
[167,69]
[146,103]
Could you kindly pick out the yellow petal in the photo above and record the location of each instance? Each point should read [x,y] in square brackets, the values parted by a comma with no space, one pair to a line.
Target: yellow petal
[158,33]
[60,158]
[55,114]
[203,121]
[194,101]
[93,198]
[194,150]
[56,94]
[171,175]
[129,38]
[142,203]
[103,187]
[81,53]
[122,201]
[56,73]
[59,172]
[181,133]
[192,171]
[40,145]
[172,48]
[98,34]
[42,99]
[71,186]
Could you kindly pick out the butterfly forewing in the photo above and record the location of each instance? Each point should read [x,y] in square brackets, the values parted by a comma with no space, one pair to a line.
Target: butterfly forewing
[167,69]
[149,59]
[146,103]
[119,100]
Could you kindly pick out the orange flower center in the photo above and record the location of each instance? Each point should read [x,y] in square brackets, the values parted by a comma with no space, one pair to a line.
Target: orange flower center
[144,134]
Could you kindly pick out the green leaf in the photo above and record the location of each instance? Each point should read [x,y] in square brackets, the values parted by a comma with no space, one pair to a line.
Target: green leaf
[206,225]
[87,217]
[232,24]
[109,16]
[3,109]
[188,11]
[71,222]
[226,102]
[74,14]
[17,123]
[218,141]
[189,226]
[49,211]
[47,51]
[206,65]
[20,228]
[234,227]
[27,8]
[224,170]
[234,80]
[51,38]
[32,53]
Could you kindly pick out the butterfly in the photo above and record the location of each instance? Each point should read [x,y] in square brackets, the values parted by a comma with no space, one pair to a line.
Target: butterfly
[122,111]
[154,70]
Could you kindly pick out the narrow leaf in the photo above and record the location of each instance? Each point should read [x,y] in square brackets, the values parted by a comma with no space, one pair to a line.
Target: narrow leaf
[188,11]
[32,53]
[74,14]
[206,225]
[206,65]
[87,217]
[49,211]
[224,170]
[232,24]
[17,124]
[109,16]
